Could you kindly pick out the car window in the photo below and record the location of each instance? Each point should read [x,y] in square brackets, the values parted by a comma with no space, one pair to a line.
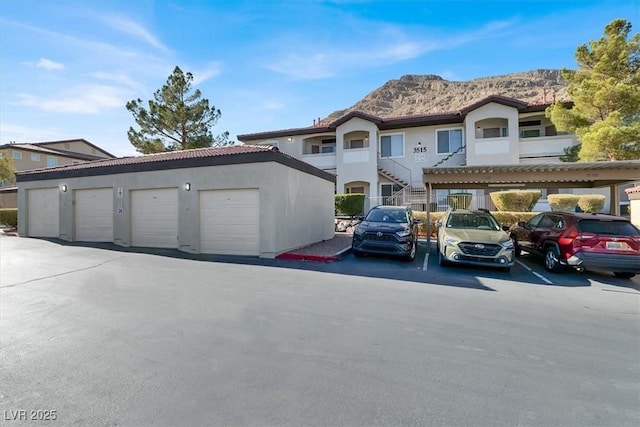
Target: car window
[533,222]
[476,221]
[387,215]
[614,228]
[547,221]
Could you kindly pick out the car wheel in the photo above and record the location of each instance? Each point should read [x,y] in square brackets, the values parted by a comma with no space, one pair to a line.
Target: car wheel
[516,248]
[412,254]
[624,274]
[442,261]
[552,260]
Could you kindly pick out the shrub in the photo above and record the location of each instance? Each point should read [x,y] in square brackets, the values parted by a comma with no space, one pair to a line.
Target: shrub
[459,200]
[422,216]
[349,204]
[9,216]
[536,196]
[563,202]
[513,201]
[591,202]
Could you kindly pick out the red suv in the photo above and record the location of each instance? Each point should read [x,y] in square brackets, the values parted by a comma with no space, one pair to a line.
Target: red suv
[582,241]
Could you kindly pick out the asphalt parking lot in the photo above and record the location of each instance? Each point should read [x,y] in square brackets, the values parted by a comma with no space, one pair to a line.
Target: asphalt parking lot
[112,336]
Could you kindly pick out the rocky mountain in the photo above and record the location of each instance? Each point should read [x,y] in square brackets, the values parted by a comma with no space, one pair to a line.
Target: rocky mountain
[421,94]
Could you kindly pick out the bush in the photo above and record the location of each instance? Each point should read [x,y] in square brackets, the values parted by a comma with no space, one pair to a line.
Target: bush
[9,216]
[563,202]
[591,202]
[422,216]
[459,200]
[536,196]
[514,201]
[349,204]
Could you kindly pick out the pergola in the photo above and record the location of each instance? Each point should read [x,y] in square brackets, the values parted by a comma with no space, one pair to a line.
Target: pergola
[553,175]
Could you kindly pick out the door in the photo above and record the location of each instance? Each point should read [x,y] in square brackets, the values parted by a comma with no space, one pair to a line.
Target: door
[230,222]
[43,206]
[154,218]
[94,215]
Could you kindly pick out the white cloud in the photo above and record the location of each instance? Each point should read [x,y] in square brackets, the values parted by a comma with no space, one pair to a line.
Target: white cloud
[85,99]
[117,78]
[134,29]
[209,72]
[48,64]
[18,133]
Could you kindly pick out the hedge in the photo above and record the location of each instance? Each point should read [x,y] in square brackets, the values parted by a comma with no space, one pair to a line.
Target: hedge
[563,202]
[503,218]
[459,200]
[591,202]
[515,200]
[9,216]
[349,204]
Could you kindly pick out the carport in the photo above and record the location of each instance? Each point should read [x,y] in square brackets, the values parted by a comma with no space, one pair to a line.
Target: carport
[555,175]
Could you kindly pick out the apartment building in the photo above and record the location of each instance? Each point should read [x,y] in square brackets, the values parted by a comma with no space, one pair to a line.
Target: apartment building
[384,157]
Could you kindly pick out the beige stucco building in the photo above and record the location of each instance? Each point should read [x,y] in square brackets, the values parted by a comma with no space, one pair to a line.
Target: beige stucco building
[238,200]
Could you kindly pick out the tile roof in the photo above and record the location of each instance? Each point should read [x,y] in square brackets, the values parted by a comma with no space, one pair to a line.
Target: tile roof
[37,147]
[160,157]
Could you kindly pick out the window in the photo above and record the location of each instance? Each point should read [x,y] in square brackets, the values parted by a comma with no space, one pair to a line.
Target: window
[355,190]
[392,145]
[35,157]
[315,149]
[16,154]
[494,132]
[51,161]
[449,141]
[530,133]
[355,143]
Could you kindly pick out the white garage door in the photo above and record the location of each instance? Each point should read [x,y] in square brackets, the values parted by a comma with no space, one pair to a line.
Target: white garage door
[43,205]
[94,215]
[229,222]
[154,218]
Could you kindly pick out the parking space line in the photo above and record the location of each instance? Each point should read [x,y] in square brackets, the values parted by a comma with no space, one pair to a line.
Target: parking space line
[538,275]
[425,264]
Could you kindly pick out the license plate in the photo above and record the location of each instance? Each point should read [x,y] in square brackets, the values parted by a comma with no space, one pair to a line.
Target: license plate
[616,245]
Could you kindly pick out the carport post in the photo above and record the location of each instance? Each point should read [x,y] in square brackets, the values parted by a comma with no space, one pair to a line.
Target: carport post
[614,204]
[428,224]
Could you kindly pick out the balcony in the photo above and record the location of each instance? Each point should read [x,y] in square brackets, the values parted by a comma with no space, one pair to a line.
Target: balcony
[321,160]
[545,146]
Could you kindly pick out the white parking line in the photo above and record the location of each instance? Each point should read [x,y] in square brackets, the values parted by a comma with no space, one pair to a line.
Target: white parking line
[425,264]
[538,275]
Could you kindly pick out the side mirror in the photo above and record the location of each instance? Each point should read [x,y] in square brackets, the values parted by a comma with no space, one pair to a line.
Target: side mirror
[360,218]
[505,228]
[438,224]
[522,224]
[416,221]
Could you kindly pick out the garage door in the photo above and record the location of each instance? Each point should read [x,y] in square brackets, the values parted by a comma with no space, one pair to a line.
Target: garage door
[229,222]
[94,215]
[43,205]
[154,218]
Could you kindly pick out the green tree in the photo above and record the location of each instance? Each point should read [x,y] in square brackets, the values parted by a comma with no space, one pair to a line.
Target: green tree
[7,169]
[605,91]
[176,119]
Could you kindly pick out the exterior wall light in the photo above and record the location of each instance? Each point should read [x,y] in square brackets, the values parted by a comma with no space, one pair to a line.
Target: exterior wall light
[63,188]
[187,186]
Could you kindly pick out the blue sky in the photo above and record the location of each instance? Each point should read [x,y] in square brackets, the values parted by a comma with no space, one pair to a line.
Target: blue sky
[67,68]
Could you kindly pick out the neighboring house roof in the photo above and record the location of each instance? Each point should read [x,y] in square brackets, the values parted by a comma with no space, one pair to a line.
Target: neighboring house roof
[389,123]
[236,154]
[9,189]
[43,147]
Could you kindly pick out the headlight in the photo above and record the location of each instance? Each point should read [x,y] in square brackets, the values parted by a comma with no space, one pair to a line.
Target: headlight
[403,233]
[358,231]
[449,240]
[507,245]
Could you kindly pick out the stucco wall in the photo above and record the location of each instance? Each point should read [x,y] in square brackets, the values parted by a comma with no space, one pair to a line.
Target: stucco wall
[296,208]
[492,151]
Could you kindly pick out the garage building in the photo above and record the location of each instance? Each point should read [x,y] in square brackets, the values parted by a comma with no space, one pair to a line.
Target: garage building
[240,200]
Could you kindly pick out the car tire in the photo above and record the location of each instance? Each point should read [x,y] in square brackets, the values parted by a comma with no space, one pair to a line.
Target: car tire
[552,260]
[624,274]
[442,261]
[412,255]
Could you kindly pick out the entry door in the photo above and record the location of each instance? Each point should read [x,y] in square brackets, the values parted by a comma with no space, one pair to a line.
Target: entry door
[230,222]
[94,215]
[154,218]
[43,205]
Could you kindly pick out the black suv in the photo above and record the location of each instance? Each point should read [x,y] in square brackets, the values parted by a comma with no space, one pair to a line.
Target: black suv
[390,230]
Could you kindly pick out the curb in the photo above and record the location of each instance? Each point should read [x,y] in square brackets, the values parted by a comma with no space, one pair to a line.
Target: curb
[314,258]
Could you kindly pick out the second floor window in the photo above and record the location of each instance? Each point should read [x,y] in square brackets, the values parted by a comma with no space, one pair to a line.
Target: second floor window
[51,161]
[392,145]
[35,157]
[16,155]
[449,140]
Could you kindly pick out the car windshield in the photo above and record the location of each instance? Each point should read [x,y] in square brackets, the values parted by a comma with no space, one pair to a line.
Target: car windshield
[470,220]
[388,215]
[612,228]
